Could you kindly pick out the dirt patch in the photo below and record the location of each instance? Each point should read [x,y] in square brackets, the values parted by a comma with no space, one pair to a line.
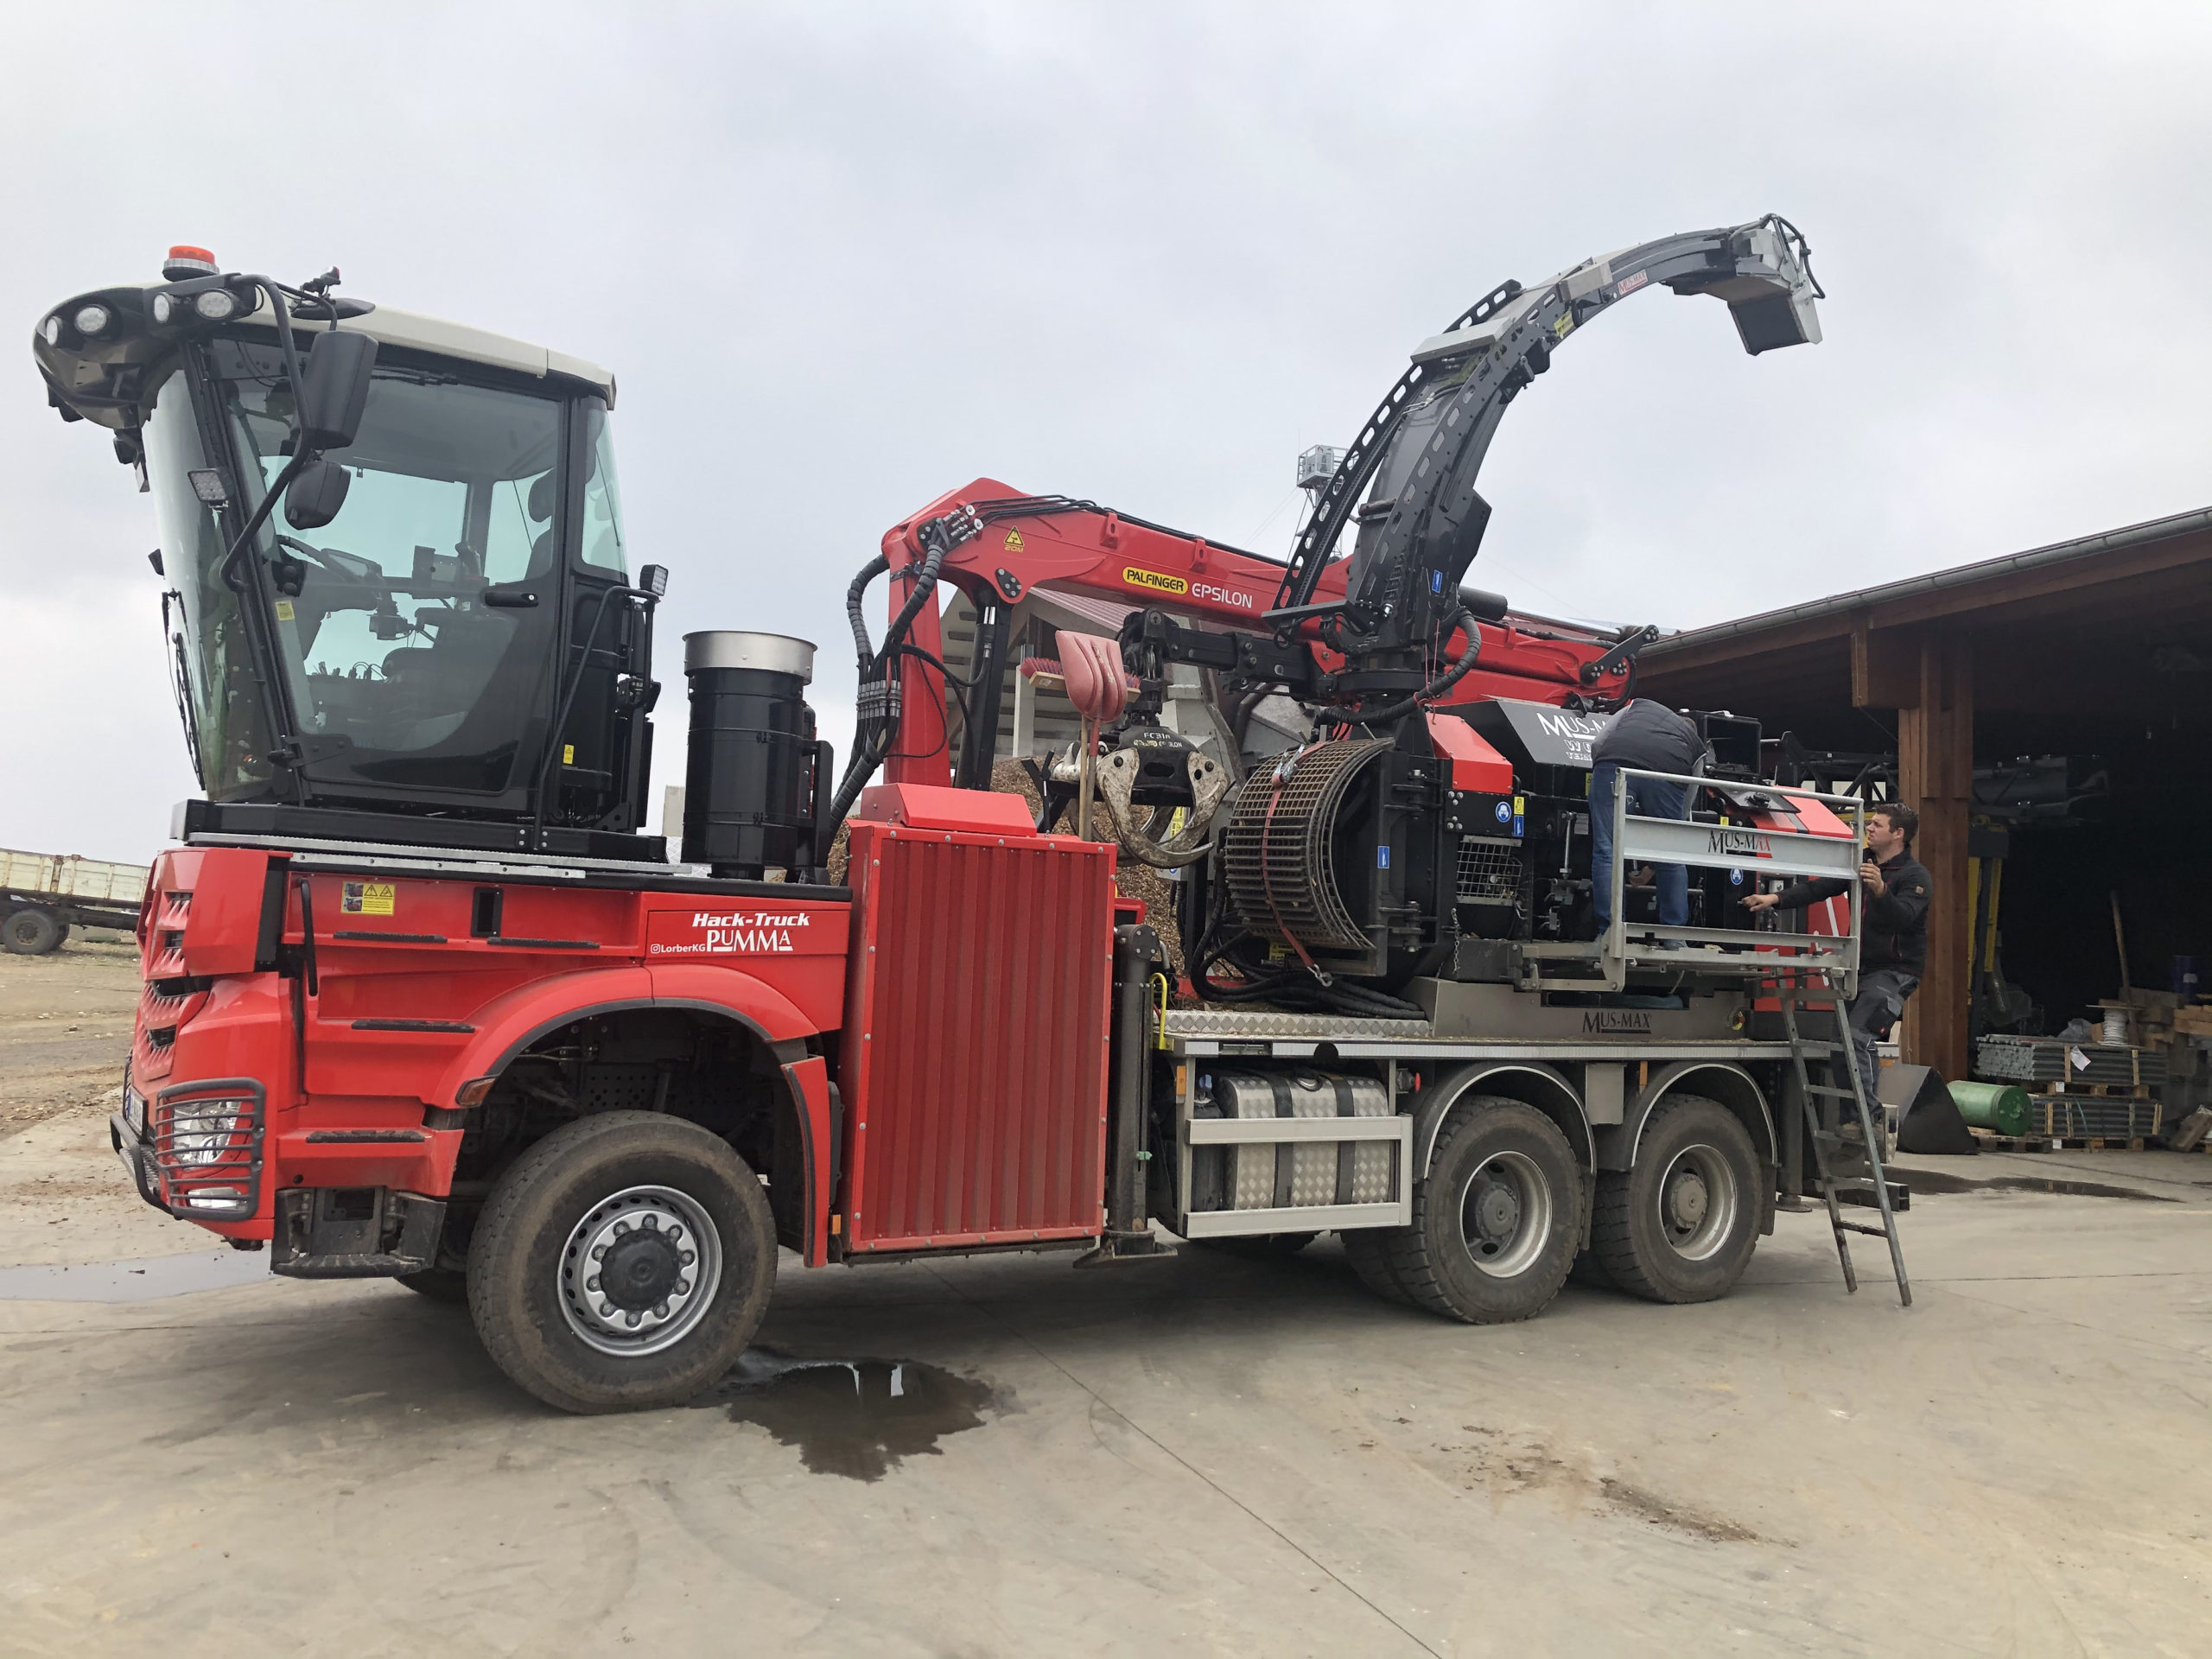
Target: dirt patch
[1647,1506]
[1508,1465]
[65,1030]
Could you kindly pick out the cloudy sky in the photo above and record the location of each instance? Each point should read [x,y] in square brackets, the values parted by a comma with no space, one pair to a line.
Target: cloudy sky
[843,257]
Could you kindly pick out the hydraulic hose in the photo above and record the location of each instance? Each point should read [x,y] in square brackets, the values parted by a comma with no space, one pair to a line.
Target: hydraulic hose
[1461,619]
[855,596]
[1296,990]
[877,667]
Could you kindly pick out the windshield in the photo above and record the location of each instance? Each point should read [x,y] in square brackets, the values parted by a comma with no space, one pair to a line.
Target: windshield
[400,672]
[214,665]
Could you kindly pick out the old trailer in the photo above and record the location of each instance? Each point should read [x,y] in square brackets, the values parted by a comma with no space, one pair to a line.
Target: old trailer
[43,895]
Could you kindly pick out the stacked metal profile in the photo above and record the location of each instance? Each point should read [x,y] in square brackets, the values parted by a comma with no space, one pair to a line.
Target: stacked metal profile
[2105,1117]
[2048,1060]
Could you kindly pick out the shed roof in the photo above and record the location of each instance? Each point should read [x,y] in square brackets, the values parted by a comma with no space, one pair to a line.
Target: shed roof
[2100,622]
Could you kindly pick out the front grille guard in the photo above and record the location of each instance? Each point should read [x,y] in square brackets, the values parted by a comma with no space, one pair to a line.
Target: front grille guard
[208,1146]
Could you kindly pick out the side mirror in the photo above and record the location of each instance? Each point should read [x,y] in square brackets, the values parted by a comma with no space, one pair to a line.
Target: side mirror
[336,389]
[316,493]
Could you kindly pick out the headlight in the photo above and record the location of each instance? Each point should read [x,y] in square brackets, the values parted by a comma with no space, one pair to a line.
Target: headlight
[134,1110]
[163,308]
[202,1131]
[217,304]
[93,319]
[50,331]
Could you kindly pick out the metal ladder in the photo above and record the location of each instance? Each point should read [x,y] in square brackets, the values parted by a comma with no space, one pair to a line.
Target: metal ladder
[1795,991]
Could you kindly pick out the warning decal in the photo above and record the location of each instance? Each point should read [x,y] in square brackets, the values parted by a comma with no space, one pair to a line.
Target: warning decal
[367,898]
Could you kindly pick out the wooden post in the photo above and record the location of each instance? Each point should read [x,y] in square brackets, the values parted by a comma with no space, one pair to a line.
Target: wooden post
[1936,778]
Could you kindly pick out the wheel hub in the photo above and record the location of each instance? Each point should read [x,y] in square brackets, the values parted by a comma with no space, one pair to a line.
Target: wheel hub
[1505,1214]
[640,1270]
[1698,1203]
[1497,1212]
[1686,1200]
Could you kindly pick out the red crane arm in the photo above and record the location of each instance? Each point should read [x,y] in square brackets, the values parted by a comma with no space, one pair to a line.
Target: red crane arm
[1089,549]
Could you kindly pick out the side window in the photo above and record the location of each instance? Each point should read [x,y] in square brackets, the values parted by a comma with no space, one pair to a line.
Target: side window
[518,535]
[603,545]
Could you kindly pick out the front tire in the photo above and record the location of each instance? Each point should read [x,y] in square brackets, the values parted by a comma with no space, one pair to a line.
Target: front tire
[1680,1225]
[1495,1219]
[622,1263]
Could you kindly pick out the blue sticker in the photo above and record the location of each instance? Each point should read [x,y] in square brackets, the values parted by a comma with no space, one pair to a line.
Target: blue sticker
[1516,826]
[1436,581]
[1735,878]
[1504,812]
[1381,858]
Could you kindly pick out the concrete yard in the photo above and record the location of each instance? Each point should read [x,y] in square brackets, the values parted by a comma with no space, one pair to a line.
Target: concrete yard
[1212,1455]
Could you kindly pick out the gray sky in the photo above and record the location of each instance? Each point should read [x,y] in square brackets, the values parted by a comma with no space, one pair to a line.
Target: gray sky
[845,257]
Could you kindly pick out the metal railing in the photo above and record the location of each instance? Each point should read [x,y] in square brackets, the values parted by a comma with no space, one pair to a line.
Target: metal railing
[1758,853]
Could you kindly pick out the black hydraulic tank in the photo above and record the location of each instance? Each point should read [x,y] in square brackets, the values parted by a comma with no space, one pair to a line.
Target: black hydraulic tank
[753,769]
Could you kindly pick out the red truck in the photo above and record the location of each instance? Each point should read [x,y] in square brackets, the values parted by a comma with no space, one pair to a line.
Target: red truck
[423,1000]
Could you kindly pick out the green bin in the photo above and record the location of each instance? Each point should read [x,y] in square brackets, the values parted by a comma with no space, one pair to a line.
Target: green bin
[2004,1107]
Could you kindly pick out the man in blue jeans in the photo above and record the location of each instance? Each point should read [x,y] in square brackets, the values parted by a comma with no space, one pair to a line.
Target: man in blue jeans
[1645,736]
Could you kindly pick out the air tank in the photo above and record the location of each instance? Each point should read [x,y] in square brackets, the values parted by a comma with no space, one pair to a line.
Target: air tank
[754,770]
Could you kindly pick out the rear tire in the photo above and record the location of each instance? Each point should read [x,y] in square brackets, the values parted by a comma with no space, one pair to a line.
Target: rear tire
[1681,1226]
[30,933]
[1494,1229]
[668,1216]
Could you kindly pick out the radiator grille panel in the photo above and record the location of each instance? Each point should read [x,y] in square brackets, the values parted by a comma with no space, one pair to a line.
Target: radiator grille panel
[1490,870]
[977,1068]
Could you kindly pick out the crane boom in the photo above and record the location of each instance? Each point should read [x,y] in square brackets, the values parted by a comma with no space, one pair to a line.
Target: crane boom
[1425,443]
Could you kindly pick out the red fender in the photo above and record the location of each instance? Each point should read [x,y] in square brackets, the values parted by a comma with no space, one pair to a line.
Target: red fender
[809,1082]
[507,1024]
[732,990]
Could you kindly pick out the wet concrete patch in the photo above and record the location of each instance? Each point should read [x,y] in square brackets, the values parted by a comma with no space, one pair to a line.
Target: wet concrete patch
[1929,1180]
[858,1418]
[146,1280]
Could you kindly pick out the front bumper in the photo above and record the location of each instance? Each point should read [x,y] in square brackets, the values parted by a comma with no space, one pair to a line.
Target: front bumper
[137,1155]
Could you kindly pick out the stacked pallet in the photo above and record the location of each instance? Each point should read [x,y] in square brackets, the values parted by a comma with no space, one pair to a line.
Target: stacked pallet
[2159,1019]
[2096,1094]
[2179,1031]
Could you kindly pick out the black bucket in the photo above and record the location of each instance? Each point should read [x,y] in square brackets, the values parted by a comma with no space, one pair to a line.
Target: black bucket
[754,772]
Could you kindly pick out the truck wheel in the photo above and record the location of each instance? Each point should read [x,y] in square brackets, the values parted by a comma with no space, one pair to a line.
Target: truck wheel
[30,933]
[1681,1226]
[1494,1220]
[439,1284]
[1367,1250]
[621,1263]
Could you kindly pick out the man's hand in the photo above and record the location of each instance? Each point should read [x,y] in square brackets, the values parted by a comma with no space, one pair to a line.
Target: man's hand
[1759,900]
[1870,877]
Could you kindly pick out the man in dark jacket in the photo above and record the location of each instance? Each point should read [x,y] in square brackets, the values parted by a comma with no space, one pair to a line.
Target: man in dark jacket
[1893,927]
[1645,736]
